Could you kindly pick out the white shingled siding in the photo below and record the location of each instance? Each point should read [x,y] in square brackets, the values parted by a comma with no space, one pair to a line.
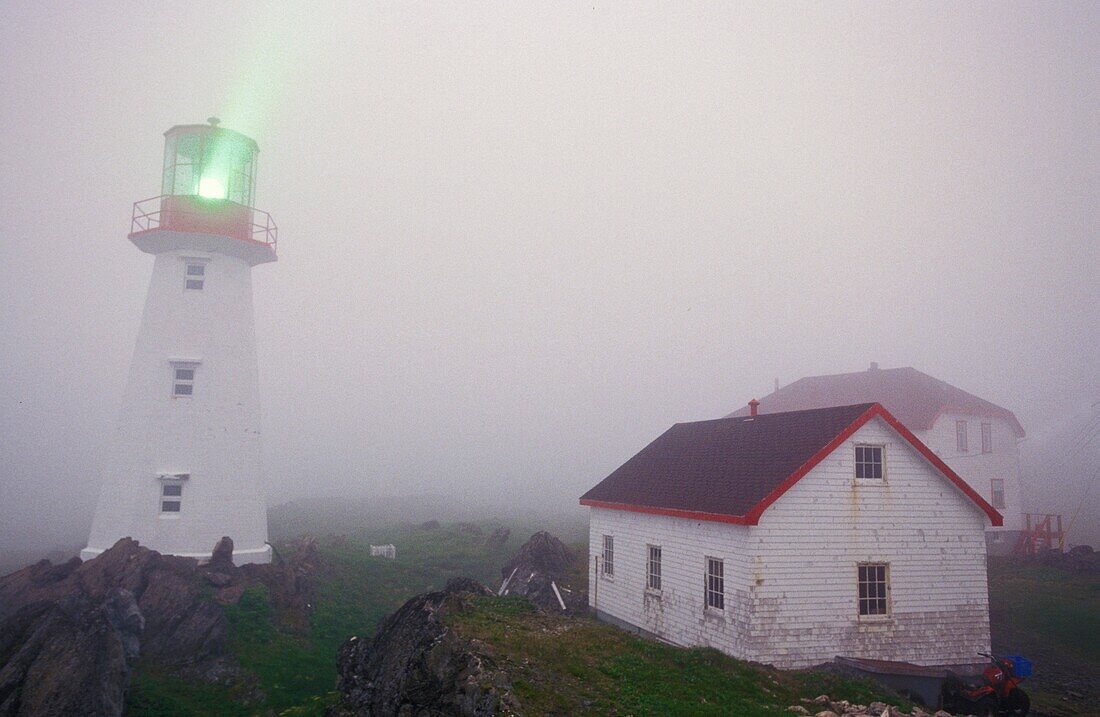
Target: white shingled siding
[677,614]
[791,593]
[977,468]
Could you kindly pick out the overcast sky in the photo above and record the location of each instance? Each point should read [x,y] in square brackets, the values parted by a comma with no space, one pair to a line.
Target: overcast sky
[518,241]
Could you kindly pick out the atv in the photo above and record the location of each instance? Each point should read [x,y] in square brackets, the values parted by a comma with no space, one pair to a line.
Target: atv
[994,693]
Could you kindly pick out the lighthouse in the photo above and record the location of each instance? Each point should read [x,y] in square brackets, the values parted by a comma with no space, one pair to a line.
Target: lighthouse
[183,467]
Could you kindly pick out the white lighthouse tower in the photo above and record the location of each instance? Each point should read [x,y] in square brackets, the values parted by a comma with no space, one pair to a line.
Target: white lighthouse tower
[183,467]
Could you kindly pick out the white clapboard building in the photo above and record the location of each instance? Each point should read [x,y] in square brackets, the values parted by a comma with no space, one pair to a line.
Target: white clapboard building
[183,467]
[976,437]
[793,538]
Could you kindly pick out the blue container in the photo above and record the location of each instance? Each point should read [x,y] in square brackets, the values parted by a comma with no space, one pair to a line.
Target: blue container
[1021,666]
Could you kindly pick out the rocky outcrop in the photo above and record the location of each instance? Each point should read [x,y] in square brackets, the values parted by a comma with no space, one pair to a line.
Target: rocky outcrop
[69,658]
[824,706]
[415,666]
[78,627]
[539,571]
[183,628]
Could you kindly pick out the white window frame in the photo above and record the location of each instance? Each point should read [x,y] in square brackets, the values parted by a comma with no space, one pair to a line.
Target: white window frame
[183,387]
[714,584]
[987,437]
[653,568]
[962,440]
[997,487]
[608,568]
[194,281]
[867,600]
[170,492]
[865,462]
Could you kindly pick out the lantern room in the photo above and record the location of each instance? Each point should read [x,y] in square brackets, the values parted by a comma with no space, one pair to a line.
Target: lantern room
[208,186]
[211,162]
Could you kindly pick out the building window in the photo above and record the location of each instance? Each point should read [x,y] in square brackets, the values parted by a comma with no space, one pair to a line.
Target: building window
[716,584]
[196,276]
[183,380]
[997,492]
[987,438]
[960,436]
[609,555]
[869,462]
[873,586]
[171,494]
[653,567]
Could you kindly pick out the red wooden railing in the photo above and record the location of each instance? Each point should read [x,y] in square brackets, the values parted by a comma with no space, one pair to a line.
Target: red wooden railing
[196,214]
[1042,532]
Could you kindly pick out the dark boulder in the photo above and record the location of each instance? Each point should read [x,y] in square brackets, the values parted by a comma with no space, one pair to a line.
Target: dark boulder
[417,666]
[69,658]
[543,553]
[540,572]
[222,555]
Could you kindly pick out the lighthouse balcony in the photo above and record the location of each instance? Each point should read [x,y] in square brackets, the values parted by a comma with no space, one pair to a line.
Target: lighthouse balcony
[193,213]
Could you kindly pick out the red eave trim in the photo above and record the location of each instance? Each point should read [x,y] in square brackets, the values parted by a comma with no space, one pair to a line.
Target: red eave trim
[674,512]
[753,516]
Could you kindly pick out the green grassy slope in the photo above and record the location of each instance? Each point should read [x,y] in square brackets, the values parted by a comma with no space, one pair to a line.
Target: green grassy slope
[570,666]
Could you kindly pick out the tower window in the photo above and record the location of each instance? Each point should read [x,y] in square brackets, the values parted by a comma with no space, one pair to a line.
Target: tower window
[183,378]
[987,438]
[195,275]
[184,384]
[171,495]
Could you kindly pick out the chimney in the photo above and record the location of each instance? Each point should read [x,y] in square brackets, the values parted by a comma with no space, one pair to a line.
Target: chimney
[874,366]
[753,405]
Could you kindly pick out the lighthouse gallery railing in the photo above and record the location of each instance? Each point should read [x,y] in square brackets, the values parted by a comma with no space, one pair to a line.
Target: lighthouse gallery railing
[154,213]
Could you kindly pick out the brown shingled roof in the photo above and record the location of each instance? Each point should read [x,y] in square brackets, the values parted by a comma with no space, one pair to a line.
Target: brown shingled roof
[731,469]
[916,398]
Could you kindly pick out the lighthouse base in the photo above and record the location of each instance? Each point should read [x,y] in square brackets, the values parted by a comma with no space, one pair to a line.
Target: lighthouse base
[260,556]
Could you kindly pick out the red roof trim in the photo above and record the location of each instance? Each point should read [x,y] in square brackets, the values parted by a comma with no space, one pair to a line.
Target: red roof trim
[753,516]
[995,518]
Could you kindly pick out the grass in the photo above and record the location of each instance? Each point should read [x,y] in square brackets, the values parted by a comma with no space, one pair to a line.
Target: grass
[1052,616]
[569,666]
[354,591]
[563,666]
[1049,605]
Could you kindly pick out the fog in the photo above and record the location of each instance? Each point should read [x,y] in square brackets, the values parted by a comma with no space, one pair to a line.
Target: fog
[518,241]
